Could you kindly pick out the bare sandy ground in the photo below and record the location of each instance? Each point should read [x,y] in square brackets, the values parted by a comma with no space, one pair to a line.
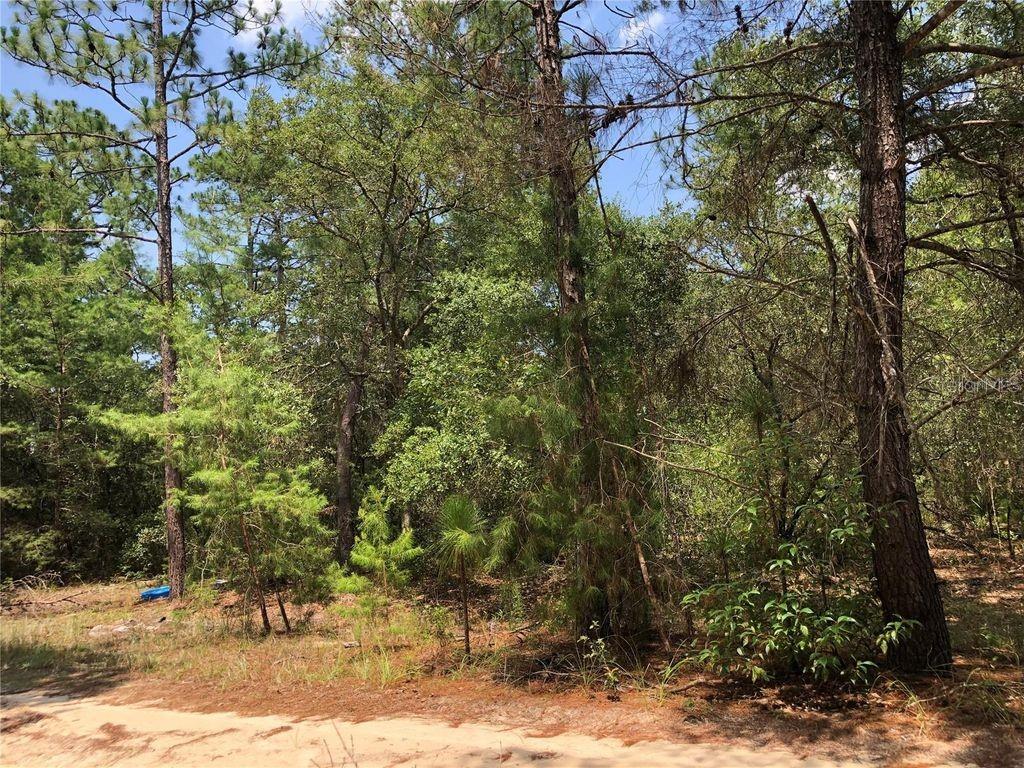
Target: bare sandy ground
[54,731]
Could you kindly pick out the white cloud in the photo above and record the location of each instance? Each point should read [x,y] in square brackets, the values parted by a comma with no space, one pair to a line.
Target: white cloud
[294,14]
[642,27]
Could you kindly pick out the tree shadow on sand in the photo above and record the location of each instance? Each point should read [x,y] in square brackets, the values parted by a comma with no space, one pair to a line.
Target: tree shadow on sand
[75,671]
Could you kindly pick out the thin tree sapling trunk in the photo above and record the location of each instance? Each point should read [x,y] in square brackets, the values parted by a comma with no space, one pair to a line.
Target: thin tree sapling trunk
[284,613]
[465,603]
[254,576]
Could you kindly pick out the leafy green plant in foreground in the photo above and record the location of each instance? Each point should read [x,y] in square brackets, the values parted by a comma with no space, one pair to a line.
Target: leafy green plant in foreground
[755,632]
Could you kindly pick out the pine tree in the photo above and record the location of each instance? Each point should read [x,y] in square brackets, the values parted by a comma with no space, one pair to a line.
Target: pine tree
[143,57]
[383,558]
[70,324]
[461,548]
[240,436]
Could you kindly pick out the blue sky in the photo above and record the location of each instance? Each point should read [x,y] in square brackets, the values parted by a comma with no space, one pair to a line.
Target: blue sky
[635,178]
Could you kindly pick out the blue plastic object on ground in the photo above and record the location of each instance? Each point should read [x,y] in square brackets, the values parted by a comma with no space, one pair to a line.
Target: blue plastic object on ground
[155,593]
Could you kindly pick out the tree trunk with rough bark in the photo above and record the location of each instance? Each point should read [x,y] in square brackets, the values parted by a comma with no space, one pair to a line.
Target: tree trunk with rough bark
[284,613]
[906,581]
[557,146]
[165,265]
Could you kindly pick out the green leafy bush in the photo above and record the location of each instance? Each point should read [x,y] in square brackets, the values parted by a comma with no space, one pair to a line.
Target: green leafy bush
[755,630]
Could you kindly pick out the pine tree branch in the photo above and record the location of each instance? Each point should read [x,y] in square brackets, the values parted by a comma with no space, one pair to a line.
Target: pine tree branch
[962,77]
[917,240]
[102,231]
[968,48]
[932,24]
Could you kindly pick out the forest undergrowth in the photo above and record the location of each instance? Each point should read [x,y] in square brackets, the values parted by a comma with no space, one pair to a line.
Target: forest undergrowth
[80,638]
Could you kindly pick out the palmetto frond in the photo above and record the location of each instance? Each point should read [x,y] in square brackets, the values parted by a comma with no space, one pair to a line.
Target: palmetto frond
[463,535]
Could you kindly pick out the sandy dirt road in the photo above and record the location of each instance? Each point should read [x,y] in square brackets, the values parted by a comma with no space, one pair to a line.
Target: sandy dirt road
[54,731]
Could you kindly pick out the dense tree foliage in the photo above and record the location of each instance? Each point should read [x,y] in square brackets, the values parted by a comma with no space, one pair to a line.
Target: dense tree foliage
[144,59]
[416,337]
[74,343]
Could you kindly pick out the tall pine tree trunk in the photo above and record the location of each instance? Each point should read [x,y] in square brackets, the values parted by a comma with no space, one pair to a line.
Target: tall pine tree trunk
[906,582]
[165,264]
[557,153]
